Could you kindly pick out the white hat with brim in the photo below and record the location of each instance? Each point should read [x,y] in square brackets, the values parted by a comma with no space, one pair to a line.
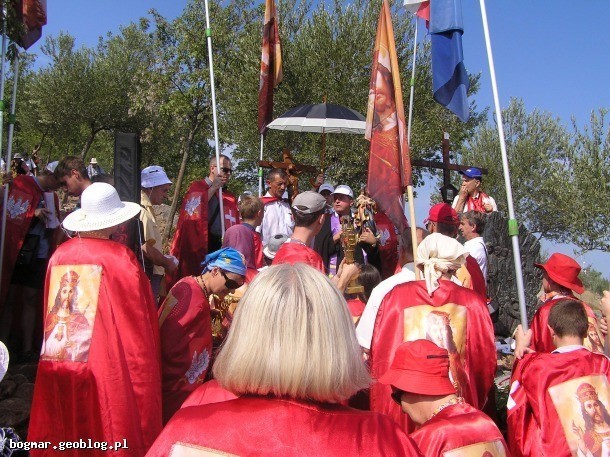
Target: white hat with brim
[101,208]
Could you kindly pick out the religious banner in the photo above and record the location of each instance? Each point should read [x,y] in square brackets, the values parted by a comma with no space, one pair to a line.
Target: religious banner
[271,66]
[32,14]
[389,169]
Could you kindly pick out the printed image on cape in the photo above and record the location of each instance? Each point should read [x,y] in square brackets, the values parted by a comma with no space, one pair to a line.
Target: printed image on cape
[72,306]
[489,449]
[445,326]
[192,450]
[582,407]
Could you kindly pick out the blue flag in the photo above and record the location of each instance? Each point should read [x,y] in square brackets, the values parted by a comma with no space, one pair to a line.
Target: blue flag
[449,77]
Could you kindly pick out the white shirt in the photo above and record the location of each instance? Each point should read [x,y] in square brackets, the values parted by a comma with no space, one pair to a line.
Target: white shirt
[477,249]
[366,324]
[569,348]
[276,221]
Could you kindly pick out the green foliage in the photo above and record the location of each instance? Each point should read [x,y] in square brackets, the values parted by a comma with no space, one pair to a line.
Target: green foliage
[594,281]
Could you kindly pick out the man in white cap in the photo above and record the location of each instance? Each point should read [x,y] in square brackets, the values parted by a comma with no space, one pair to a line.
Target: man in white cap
[155,187]
[94,169]
[99,374]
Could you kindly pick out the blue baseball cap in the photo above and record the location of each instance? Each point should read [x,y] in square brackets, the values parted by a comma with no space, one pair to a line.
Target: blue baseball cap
[472,172]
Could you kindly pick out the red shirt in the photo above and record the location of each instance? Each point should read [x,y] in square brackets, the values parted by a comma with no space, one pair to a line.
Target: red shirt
[293,252]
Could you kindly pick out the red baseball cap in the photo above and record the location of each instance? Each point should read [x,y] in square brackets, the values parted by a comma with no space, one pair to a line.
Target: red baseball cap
[443,213]
[564,270]
[420,367]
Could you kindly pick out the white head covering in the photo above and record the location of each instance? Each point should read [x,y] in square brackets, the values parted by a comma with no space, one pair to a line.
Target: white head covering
[4,358]
[437,254]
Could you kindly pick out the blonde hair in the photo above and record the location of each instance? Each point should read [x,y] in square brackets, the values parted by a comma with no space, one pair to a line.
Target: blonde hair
[292,336]
[249,206]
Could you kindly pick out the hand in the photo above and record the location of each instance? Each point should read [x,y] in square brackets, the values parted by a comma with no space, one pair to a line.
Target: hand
[7,178]
[171,265]
[368,237]
[605,303]
[42,213]
[217,183]
[337,236]
[319,180]
[463,191]
[349,271]
[523,340]
[602,324]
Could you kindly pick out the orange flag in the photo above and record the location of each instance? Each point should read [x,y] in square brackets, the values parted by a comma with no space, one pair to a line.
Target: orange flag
[33,14]
[271,66]
[389,162]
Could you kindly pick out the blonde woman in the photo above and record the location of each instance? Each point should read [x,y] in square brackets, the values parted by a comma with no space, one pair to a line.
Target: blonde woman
[291,357]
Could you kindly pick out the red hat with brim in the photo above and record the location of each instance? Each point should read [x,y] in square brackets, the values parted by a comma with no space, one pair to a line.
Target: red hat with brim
[443,213]
[563,270]
[420,367]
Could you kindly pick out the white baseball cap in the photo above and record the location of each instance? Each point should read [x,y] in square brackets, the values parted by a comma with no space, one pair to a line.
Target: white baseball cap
[326,186]
[154,176]
[52,166]
[344,190]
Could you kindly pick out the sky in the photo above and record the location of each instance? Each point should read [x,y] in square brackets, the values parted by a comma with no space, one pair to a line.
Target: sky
[553,55]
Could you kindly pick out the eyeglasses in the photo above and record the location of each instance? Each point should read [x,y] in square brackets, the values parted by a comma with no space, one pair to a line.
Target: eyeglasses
[226,170]
[230,283]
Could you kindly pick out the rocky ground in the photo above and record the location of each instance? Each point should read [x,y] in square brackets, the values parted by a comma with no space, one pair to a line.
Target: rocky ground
[16,391]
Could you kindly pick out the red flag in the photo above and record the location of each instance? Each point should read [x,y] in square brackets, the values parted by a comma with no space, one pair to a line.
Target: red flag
[271,66]
[389,162]
[33,15]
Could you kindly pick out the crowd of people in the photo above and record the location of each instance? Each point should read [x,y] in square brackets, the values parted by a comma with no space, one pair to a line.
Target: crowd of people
[276,326]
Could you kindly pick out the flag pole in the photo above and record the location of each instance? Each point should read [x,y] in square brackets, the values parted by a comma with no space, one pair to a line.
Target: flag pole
[410,197]
[208,34]
[7,163]
[260,171]
[9,148]
[513,226]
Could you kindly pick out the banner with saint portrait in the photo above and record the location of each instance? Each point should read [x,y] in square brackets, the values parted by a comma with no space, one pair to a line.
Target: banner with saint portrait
[582,407]
[446,327]
[192,450]
[487,449]
[73,294]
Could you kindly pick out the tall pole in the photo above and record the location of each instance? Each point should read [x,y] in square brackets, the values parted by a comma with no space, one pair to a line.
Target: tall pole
[513,226]
[208,34]
[7,163]
[260,170]
[410,197]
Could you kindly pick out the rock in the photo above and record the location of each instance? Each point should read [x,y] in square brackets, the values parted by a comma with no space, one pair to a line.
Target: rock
[12,418]
[28,370]
[501,284]
[19,379]
[15,404]
[25,391]
[7,388]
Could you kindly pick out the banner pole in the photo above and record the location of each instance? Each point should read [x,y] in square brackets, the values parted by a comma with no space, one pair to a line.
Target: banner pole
[208,34]
[513,226]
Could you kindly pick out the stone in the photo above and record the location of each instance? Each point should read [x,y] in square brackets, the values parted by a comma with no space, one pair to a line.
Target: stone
[25,391]
[7,388]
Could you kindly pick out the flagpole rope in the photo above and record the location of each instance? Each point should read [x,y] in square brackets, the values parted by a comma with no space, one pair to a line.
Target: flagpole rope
[208,34]
[513,227]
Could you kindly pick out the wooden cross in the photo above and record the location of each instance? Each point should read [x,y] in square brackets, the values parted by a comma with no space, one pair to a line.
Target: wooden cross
[294,170]
[445,165]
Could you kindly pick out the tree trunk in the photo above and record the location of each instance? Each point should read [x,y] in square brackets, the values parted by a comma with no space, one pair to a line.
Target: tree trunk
[186,148]
[89,142]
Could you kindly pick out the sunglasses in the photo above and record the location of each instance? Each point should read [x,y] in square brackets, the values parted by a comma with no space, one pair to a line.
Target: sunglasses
[230,283]
[226,170]
[396,396]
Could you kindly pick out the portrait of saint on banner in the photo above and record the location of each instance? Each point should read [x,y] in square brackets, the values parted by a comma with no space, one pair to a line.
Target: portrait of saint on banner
[487,449]
[192,450]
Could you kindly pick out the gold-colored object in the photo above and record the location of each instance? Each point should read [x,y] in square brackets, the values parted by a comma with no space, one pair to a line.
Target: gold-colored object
[349,239]
[365,214]
[221,313]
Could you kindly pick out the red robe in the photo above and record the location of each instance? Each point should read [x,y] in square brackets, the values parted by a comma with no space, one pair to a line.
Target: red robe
[541,381]
[23,199]
[456,427]
[476,277]
[356,307]
[291,252]
[541,336]
[408,313]
[102,379]
[190,244]
[388,245]
[209,392]
[261,426]
[186,343]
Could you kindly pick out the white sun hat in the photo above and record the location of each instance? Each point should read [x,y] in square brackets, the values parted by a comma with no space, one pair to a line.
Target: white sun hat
[101,208]
[153,176]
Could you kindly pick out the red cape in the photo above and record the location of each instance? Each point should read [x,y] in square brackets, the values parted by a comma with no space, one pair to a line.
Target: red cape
[476,277]
[190,244]
[24,196]
[408,313]
[275,427]
[541,336]
[209,392]
[298,253]
[456,427]
[186,343]
[112,389]
[388,245]
[539,381]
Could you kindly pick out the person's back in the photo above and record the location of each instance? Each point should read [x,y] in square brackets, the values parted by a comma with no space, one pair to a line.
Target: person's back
[99,373]
[262,426]
[455,318]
